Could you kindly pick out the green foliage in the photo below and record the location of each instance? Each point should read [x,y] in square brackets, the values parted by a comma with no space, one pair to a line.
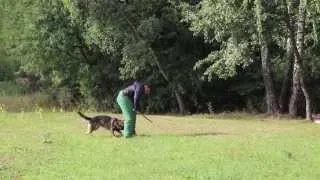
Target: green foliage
[229,23]
[9,88]
[84,51]
[225,62]
[17,32]
[135,59]
[150,29]
[7,69]
[16,36]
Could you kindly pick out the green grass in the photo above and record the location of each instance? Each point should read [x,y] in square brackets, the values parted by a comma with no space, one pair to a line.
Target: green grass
[237,146]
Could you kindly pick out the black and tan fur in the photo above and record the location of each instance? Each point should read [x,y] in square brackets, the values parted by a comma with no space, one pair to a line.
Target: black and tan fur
[107,122]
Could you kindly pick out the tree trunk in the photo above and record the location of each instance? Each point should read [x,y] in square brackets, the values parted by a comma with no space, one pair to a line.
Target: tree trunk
[298,76]
[286,84]
[300,47]
[177,94]
[180,102]
[296,90]
[272,104]
[307,98]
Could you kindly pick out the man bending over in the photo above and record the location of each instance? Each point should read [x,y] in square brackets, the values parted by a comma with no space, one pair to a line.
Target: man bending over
[129,102]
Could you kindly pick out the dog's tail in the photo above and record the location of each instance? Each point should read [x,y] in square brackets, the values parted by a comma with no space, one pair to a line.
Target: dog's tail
[84,116]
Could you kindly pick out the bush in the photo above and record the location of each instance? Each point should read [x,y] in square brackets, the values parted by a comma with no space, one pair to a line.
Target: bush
[10,88]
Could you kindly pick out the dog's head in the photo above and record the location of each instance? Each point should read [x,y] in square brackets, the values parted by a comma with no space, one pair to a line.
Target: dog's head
[117,124]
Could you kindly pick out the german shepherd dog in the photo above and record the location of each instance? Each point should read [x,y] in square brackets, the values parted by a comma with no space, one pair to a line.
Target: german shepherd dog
[107,122]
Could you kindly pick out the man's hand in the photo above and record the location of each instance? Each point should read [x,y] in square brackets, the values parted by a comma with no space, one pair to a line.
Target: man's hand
[141,114]
[137,112]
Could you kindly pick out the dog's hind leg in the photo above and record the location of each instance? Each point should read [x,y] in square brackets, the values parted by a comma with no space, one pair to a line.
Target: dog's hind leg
[90,128]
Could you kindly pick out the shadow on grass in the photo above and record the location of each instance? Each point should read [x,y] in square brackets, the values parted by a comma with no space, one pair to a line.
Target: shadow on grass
[187,134]
[204,134]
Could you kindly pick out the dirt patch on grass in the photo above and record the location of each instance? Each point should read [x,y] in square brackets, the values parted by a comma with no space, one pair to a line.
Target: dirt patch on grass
[5,161]
[6,158]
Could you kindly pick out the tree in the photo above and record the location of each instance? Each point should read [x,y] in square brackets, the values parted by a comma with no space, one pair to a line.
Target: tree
[145,34]
[239,35]
[297,43]
[85,51]
[264,35]
[17,38]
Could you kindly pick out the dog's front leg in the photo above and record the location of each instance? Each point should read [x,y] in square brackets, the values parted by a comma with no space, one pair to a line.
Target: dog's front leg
[120,133]
[113,129]
[115,134]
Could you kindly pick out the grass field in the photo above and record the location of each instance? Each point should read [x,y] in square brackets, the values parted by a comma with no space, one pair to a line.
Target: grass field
[235,146]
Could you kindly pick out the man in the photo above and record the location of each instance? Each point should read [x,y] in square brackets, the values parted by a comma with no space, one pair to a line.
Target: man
[129,102]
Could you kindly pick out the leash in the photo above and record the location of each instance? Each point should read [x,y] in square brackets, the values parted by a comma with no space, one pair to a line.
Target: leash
[145,117]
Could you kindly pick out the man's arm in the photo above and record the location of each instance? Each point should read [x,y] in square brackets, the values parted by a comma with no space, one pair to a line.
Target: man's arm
[136,99]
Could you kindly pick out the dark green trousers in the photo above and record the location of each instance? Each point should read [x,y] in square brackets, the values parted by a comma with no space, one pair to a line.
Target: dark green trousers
[129,115]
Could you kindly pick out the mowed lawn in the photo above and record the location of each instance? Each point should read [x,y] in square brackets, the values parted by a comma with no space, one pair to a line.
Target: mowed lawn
[230,146]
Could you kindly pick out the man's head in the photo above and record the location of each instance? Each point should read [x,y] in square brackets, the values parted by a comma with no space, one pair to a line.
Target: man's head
[147,89]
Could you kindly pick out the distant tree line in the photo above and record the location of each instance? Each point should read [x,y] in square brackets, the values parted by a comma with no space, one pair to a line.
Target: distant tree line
[199,55]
